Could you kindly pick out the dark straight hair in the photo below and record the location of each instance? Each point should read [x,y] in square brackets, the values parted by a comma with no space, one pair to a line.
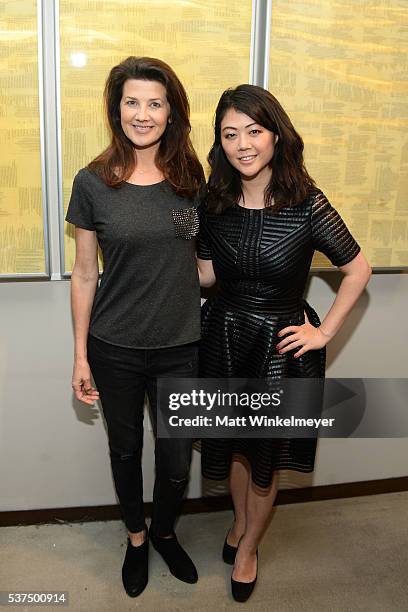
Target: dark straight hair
[176,156]
[290,182]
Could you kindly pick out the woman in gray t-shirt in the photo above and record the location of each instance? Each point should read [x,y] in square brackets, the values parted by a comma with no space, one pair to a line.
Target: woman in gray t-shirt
[137,201]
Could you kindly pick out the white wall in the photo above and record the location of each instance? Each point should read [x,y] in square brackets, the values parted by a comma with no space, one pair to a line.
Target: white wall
[53,451]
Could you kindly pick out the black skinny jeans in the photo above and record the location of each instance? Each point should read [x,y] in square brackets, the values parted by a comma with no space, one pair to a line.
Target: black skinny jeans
[122,377]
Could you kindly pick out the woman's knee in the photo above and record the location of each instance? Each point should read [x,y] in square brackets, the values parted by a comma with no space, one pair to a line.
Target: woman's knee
[173,458]
[125,451]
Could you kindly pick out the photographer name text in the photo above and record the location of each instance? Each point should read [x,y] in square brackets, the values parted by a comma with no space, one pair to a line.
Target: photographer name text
[245,421]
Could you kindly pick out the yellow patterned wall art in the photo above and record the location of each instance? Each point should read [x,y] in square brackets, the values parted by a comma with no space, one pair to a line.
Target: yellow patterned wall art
[21,213]
[339,70]
[207,44]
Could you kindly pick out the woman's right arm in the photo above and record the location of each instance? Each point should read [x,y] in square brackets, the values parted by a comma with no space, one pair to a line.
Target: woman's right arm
[206,272]
[84,281]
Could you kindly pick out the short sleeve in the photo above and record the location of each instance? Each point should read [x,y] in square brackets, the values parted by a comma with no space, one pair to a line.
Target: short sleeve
[80,209]
[330,234]
[203,243]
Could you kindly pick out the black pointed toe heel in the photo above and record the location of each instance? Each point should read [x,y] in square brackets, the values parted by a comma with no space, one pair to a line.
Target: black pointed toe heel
[241,591]
[229,552]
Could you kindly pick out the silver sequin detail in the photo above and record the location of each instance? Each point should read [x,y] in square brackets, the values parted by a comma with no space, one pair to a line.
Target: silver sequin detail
[186,222]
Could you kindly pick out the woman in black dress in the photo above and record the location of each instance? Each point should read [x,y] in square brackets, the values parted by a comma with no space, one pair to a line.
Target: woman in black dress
[262,221]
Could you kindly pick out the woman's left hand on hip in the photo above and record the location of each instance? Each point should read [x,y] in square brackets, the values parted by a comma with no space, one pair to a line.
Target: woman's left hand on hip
[304,337]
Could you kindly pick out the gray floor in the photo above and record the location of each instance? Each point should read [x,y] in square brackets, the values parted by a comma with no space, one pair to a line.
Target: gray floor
[340,555]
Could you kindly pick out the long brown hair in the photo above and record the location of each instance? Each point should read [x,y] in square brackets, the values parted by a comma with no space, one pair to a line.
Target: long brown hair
[176,157]
[290,182]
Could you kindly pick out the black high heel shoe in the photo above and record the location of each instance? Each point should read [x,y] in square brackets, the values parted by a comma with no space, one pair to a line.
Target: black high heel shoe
[241,591]
[229,552]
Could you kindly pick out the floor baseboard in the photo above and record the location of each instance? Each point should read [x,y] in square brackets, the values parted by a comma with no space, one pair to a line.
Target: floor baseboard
[205,504]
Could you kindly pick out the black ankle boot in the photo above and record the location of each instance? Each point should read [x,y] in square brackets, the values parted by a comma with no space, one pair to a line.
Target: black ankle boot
[135,569]
[178,561]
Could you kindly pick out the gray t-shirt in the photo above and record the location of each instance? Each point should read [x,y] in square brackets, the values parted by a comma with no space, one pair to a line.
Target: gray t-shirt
[149,294]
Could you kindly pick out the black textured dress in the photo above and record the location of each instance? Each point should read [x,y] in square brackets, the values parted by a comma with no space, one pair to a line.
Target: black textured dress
[262,261]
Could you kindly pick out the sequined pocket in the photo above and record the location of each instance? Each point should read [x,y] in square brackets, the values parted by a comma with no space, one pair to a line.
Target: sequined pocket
[186,222]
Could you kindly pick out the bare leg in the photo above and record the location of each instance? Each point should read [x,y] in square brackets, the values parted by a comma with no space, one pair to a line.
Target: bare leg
[239,480]
[259,503]
[137,538]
